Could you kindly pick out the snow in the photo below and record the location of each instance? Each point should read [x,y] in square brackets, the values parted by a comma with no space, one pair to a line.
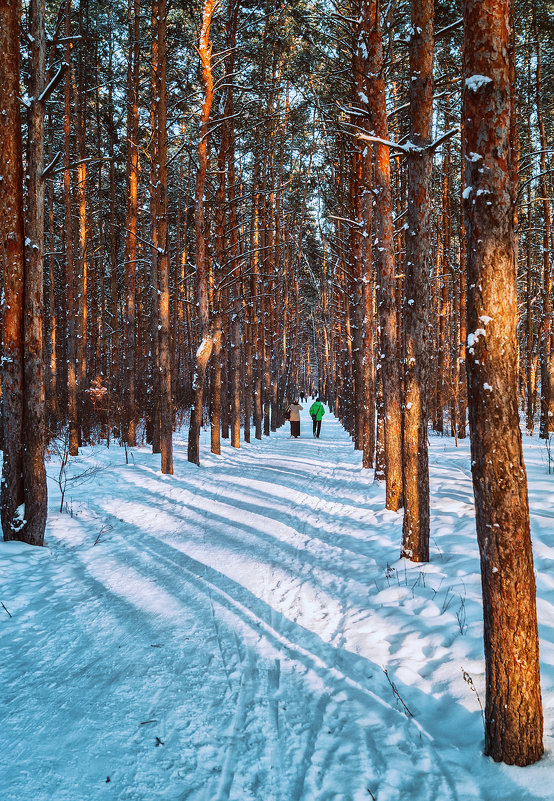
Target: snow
[476,82]
[473,338]
[223,633]
[19,518]
[203,347]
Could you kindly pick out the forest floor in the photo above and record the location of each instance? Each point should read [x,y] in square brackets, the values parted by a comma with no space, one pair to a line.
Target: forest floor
[224,633]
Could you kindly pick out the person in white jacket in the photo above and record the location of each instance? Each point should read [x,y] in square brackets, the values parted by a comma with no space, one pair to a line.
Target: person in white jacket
[294,409]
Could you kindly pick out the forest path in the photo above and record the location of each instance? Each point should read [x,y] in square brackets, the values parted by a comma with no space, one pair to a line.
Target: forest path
[226,637]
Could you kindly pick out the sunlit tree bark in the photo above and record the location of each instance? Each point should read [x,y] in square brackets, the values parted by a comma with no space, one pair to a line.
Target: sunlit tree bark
[206,345]
[415,529]
[513,709]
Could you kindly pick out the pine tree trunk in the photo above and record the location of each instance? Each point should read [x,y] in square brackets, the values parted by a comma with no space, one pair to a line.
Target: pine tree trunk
[415,529]
[166,401]
[12,254]
[234,380]
[129,413]
[34,473]
[513,709]
[155,405]
[386,272]
[83,266]
[205,349]
[69,276]
[547,317]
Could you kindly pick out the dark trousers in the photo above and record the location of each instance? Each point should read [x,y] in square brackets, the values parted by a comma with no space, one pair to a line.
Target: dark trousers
[295,428]
[317,427]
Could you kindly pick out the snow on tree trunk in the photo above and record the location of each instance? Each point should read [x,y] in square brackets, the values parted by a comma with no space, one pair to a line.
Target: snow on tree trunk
[34,473]
[513,710]
[415,530]
[23,493]
[384,256]
[204,351]
[12,254]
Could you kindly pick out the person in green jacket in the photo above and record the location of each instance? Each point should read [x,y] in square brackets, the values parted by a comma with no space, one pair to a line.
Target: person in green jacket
[316,412]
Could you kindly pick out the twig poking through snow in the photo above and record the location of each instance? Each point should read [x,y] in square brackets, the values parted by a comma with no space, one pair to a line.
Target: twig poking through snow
[469,681]
[397,694]
[103,530]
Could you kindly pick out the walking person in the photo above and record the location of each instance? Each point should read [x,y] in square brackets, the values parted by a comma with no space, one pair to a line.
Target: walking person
[294,410]
[317,410]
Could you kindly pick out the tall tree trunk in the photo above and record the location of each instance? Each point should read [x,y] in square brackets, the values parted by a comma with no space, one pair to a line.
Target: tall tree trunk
[546,318]
[257,339]
[205,349]
[166,403]
[69,275]
[235,332]
[386,272]
[415,529]
[357,261]
[12,254]
[154,405]
[114,354]
[34,473]
[83,266]
[513,709]
[129,413]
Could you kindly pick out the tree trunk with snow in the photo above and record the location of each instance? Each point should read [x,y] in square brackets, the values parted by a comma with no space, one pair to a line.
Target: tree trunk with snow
[415,529]
[205,349]
[23,493]
[12,254]
[384,255]
[513,710]
[34,473]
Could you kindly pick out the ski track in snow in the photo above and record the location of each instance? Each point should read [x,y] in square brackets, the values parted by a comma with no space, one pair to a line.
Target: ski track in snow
[225,639]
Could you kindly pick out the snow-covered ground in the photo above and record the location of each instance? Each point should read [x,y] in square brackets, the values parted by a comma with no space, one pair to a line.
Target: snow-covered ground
[224,633]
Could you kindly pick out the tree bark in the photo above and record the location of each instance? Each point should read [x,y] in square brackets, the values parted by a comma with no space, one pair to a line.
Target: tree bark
[69,275]
[166,402]
[513,709]
[205,349]
[131,223]
[13,260]
[386,271]
[415,529]
[34,473]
